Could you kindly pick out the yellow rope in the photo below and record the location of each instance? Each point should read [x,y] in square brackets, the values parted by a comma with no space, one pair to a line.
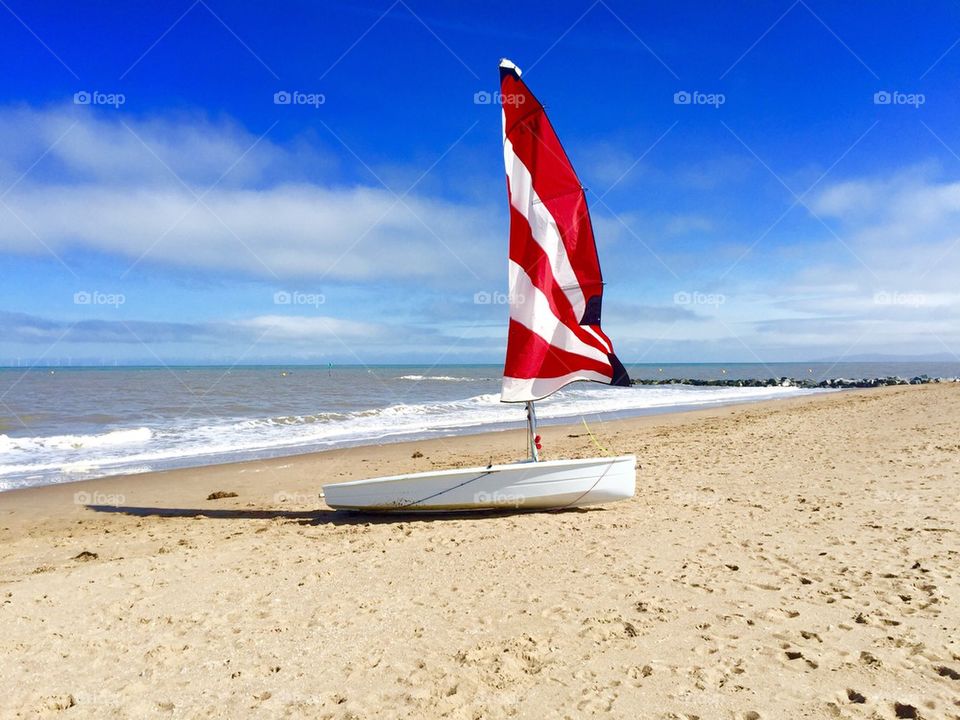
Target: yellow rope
[595,442]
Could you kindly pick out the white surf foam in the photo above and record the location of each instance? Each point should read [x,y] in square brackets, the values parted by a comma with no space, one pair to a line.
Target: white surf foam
[115,438]
[41,460]
[437,378]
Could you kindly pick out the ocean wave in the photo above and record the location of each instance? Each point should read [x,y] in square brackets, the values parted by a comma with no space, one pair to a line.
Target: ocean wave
[59,458]
[438,378]
[113,438]
[299,419]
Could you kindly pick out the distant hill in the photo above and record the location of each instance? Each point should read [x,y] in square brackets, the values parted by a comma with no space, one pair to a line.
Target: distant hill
[935,357]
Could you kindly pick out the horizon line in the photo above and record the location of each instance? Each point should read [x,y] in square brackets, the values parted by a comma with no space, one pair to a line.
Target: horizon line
[333,365]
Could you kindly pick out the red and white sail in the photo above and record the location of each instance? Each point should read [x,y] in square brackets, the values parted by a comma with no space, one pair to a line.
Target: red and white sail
[556,287]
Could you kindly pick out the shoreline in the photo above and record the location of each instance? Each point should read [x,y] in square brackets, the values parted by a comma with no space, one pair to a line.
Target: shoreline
[253,477]
[190,458]
[788,558]
[556,426]
[121,442]
[293,451]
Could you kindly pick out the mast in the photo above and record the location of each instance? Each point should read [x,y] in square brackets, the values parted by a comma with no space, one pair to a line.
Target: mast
[555,284]
[533,439]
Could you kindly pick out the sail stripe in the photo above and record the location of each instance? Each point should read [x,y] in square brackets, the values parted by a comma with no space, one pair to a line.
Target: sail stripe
[543,228]
[535,262]
[542,359]
[600,335]
[541,387]
[531,308]
[556,286]
[536,145]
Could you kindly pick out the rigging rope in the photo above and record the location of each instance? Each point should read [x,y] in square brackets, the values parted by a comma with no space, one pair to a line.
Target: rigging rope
[592,437]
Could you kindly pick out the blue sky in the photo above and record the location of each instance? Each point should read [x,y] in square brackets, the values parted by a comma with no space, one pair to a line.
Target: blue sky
[802,205]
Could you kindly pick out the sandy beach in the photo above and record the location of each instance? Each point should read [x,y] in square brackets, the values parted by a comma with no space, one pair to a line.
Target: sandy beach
[787,559]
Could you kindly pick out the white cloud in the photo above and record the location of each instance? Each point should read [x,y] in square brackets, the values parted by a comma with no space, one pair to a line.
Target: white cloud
[312,329]
[886,283]
[288,330]
[83,145]
[684,224]
[907,221]
[102,187]
[131,194]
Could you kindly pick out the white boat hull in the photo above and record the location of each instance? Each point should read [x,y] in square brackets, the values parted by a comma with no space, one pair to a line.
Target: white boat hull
[552,484]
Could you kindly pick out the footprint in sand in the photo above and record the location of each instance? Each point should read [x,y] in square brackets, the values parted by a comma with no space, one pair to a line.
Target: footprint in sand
[944,671]
[598,699]
[855,697]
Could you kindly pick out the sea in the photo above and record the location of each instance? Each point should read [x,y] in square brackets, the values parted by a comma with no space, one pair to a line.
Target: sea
[63,424]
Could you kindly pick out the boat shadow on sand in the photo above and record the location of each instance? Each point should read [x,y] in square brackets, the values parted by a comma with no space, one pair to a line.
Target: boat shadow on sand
[322,517]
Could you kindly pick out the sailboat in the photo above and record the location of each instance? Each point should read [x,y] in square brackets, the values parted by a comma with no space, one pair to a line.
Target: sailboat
[554,337]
